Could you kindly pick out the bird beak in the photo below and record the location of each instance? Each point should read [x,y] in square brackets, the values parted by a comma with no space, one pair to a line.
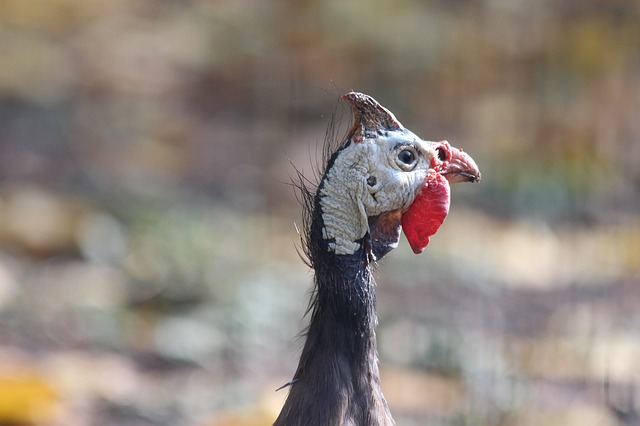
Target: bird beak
[460,168]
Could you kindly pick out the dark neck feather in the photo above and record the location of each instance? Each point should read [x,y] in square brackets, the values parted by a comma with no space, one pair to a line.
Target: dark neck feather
[337,380]
[345,297]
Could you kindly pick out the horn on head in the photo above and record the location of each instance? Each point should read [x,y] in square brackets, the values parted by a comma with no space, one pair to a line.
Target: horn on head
[370,118]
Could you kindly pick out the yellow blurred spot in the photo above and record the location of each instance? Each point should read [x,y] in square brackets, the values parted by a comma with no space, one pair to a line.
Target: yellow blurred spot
[26,399]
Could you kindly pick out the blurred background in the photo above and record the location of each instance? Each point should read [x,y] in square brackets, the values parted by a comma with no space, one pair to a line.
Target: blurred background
[148,264]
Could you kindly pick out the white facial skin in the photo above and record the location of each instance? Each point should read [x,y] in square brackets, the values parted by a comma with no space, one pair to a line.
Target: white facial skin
[369,178]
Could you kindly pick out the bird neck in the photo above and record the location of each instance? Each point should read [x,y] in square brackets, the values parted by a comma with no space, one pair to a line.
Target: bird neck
[337,381]
[343,305]
[343,309]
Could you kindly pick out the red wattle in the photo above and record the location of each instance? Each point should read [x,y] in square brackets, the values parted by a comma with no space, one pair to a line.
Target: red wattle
[427,212]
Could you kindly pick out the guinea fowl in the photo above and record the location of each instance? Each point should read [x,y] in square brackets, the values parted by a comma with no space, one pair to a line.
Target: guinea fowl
[381,179]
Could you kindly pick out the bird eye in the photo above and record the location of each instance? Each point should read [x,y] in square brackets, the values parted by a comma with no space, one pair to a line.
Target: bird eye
[407,159]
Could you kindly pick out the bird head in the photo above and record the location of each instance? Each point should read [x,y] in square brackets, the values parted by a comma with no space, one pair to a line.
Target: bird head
[383,179]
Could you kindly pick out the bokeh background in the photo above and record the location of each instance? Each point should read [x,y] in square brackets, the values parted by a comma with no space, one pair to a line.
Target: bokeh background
[148,264]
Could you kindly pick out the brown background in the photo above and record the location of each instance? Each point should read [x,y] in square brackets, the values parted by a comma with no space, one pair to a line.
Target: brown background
[148,270]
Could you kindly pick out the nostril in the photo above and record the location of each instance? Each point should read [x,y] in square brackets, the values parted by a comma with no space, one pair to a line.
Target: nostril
[442,154]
